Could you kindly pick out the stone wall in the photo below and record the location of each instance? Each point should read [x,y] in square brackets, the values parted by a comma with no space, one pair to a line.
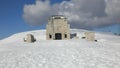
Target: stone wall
[58,27]
[90,36]
[29,38]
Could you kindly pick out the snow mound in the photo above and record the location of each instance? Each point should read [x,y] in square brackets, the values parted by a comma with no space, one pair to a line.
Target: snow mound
[74,53]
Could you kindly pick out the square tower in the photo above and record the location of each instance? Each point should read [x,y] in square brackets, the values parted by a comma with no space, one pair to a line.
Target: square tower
[58,28]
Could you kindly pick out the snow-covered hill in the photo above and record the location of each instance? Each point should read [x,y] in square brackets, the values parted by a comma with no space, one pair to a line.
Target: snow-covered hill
[74,53]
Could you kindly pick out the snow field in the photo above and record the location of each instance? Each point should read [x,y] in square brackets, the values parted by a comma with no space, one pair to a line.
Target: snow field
[75,53]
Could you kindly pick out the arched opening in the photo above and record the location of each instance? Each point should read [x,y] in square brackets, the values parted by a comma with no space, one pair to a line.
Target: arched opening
[58,36]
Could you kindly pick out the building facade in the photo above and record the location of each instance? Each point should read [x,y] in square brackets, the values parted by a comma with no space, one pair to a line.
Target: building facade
[58,28]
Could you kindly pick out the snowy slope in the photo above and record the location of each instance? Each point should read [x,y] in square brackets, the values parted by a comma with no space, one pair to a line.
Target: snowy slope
[74,53]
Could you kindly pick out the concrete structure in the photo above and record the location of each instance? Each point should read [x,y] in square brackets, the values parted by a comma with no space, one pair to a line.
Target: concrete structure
[29,38]
[90,36]
[58,28]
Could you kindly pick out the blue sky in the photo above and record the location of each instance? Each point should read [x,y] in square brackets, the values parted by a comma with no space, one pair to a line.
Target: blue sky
[111,29]
[11,19]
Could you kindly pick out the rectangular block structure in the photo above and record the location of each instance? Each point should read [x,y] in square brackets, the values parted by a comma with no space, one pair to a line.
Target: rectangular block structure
[57,28]
[90,36]
[29,38]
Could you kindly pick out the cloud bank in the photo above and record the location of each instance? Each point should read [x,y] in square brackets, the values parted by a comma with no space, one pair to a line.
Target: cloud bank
[37,13]
[86,14]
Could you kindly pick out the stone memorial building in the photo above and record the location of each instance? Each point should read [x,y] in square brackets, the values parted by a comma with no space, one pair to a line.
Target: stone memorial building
[58,28]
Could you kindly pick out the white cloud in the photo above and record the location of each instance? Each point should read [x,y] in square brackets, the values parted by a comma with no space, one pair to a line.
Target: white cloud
[80,13]
[37,13]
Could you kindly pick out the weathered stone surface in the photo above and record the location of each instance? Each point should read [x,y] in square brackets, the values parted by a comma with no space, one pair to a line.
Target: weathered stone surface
[90,36]
[29,38]
[58,28]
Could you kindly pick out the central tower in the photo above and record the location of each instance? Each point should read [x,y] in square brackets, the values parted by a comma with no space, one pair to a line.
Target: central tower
[58,28]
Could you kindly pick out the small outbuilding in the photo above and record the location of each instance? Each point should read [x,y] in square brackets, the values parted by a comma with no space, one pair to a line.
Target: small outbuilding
[90,36]
[29,38]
